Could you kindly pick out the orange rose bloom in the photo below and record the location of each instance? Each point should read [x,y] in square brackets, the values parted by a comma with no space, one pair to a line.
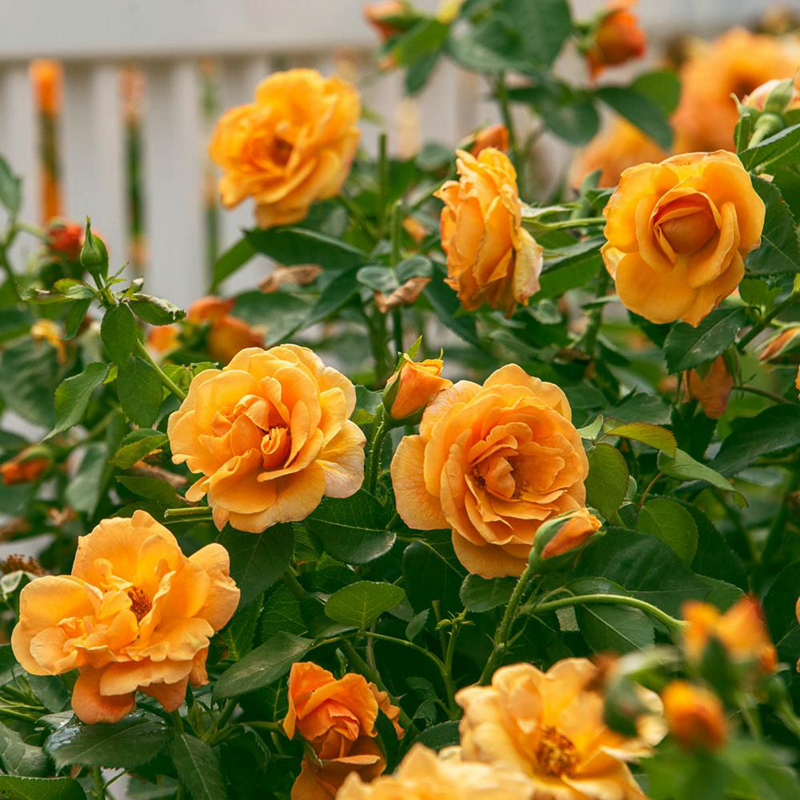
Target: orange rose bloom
[618,37]
[22,468]
[712,391]
[741,630]
[135,614]
[695,716]
[290,147]
[337,720]
[619,147]
[228,335]
[420,382]
[550,726]
[492,463]
[490,257]
[424,776]
[494,136]
[677,234]
[734,64]
[271,435]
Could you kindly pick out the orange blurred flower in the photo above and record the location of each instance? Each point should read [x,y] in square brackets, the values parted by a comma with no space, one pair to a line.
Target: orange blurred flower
[162,338]
[677,234]
[619,147]
[550,726]
[337,720]
[695,716]
[290,147]
[495,136]
[228,334]
[492,463]
[134,615]
[47,77]
[45,330]
[419,383]
[777,344]
[65,239]
[270,434]
[387,17]
[491,258]
[415,229]
[423,775]
[712,391]
[735,64]
[618,37]
[741,630]
[24,467]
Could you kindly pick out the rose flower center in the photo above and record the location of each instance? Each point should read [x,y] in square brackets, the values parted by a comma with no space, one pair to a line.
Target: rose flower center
[280,151]
[555,753]
[687,224]
[140,602]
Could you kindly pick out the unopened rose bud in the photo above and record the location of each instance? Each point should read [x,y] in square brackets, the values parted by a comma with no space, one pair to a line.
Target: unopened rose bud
[695,716]
[560,539]
[494,136]
[713,390]
[64,239]
[389,18]
[617,38]
[26,466]
[94,256]
[775,96]
[413,386]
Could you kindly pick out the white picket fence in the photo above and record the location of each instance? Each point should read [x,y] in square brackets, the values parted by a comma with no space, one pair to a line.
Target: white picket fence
[246,38]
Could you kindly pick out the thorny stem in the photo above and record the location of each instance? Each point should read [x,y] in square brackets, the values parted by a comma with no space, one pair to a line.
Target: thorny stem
[760,326]
[162,376]
[380,428]
[98,785]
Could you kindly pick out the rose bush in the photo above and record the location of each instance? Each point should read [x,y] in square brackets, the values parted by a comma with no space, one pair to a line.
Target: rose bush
[489,489]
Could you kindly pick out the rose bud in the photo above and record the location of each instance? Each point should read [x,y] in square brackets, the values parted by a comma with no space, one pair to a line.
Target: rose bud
[777,344]
[27,466]
[617,38]
[94,255]
[65,239]
[413,386]
[494,136]
[389,18]
[559,539]
[713,390]
[695,716]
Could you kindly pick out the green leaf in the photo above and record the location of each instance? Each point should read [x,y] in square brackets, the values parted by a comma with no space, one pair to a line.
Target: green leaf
[607,482]
[352,530]
[73,395]
[338,292]
[618,629]
[780,601]
[281,612]
[686,347]
[447,307]
[140,391]
[155,310]
[479,594]
[262,666]
[781,149]
[684,468]
[198,767]
[19,788]
[645,432]
[379,279]
[83,492]
[74,318]
[240,632]
[257,561]
[10,188]
[672,523]
[437,737]
[779,251]
[278,313]
[138,444]
[152,489]
[571,271]
[432,571]
[775,429]
[290,246]
[643,565]
[636,407]
[662,86]
[544,26]
[424,37]
[231,261]
[640,110]
[714,557]
[131,742]
[19,757]
[491,46]
[118,331]
[361,603]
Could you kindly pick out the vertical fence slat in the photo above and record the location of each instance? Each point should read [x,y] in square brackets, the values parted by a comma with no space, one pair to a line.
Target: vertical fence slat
[93,153]
[238,80]
[173,159]
[19,135]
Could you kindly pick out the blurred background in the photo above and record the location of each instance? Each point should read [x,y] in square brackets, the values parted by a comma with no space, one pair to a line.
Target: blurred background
[106,107]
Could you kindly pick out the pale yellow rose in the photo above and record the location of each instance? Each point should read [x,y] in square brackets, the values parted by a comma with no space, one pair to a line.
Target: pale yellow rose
[290,147]
[550,726]
[271,435]
[677,234]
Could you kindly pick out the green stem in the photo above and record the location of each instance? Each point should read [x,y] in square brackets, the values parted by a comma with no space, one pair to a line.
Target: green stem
[588,341]
[760,326]
[194,513]
[226,714]
[98,785]
[776,398]
[672,624]
[447,674]
[263,725]
[649,487]
[162,376]
[775,535]
[177,720]
[585,222]
[380,428]
[503,632]
[293,585]
[383,180]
